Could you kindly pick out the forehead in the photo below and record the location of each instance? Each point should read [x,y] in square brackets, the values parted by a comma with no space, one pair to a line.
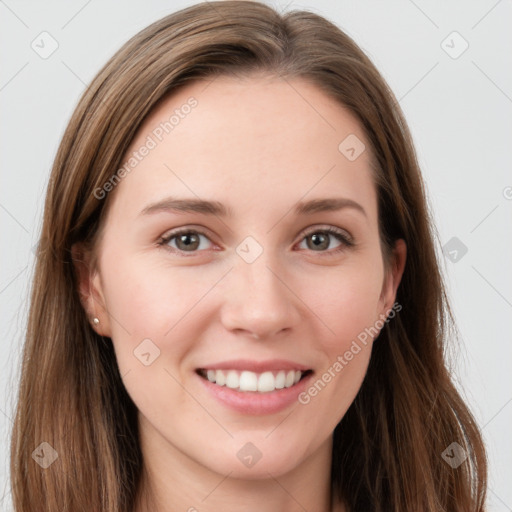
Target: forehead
[255,140]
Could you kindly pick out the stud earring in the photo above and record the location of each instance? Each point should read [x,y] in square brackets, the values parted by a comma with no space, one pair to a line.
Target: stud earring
[95,321]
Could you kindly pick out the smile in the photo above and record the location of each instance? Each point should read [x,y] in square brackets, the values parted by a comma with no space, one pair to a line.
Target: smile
[246,380]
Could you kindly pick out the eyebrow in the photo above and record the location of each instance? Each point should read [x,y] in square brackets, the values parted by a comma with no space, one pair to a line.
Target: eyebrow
[171,204]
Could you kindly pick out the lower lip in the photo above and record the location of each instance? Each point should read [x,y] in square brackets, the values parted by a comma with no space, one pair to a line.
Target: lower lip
[253,402]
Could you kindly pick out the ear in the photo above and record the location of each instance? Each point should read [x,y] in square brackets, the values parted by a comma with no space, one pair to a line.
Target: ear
[393,276]
[90,289]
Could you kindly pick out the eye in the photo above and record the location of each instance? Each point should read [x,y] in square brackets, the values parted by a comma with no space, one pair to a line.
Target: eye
[320,239]
[187,240]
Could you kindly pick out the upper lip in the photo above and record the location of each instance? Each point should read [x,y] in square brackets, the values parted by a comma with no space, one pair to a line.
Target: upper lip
[255,366]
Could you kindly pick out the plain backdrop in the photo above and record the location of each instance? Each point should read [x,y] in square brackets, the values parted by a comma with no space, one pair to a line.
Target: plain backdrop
[448,64]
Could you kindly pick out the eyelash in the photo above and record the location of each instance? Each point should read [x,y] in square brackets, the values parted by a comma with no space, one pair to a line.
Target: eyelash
[346,242]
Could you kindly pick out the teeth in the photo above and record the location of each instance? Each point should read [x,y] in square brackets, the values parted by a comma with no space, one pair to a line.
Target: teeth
[290,377]
[280,380]
[248,381]
[267,382]
[232,379]
[219,376]
[251,381]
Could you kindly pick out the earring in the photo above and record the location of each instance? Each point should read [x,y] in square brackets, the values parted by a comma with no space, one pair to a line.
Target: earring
[95,321]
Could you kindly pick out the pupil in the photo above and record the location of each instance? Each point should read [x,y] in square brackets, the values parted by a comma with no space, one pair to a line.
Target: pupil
[188,239]
[317,239]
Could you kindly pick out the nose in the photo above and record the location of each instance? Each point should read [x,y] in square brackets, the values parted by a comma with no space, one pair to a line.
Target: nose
[258,300]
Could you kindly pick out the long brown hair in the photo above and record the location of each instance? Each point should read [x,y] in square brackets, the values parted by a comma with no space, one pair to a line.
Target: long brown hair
[387,453]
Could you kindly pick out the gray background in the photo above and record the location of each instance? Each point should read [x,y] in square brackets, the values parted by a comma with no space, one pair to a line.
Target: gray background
[458,108]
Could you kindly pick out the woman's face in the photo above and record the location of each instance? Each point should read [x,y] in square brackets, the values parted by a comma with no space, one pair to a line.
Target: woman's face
[254,289]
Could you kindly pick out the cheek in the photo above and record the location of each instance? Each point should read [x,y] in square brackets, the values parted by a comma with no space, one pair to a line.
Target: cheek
[348,303]
[152,319]
[150,301]
[149,297]
[347,306]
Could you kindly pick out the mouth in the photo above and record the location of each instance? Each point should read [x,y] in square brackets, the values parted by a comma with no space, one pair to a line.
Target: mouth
[248,381]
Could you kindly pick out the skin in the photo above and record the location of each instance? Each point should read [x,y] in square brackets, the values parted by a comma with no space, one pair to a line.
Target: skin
[257,145]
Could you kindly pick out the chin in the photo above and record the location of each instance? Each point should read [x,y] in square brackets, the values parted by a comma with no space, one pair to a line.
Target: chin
[248,462]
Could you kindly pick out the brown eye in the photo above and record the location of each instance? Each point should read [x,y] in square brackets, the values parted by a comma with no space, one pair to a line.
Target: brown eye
[185,241]
[320,240]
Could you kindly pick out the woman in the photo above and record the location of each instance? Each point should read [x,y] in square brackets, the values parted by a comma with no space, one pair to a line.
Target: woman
[237,296]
